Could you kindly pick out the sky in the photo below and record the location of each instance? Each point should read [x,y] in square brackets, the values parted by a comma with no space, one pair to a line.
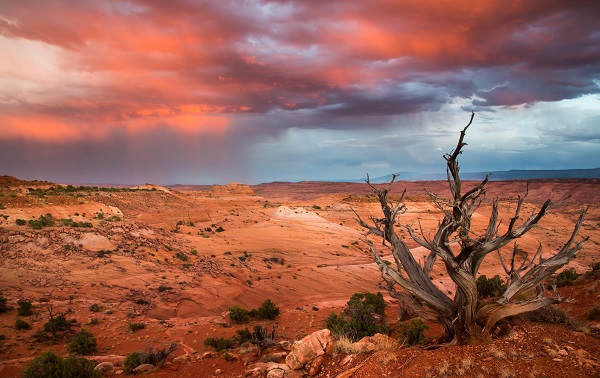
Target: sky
[208,92]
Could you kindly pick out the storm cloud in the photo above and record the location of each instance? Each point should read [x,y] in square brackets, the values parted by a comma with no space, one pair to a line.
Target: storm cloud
[213,91]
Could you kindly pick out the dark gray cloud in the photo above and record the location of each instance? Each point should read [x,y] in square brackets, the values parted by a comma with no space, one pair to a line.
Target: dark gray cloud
[159,91]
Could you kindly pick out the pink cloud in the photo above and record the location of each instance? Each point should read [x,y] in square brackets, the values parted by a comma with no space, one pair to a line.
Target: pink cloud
[192,64]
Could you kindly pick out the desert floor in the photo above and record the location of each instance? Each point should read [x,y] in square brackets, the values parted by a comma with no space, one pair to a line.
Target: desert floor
[177,258]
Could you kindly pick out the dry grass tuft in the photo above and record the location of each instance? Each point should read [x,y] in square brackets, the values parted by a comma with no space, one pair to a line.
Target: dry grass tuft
[344,345]
[497,353]
[443,369]
[385,357]
[387,343]
[464,366]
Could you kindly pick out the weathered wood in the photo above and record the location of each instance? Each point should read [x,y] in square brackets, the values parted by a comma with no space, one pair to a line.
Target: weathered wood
[463,316]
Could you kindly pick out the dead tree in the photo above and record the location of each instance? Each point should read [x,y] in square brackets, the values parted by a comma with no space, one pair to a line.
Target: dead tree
[462,251]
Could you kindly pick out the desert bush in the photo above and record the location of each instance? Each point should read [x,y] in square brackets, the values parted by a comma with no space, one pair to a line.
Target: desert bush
[260,336]
[220,343]
[136,326]
[595,272]
[263,337]
[244,335]
[83,344]
[594,313]
[35,225]
[551,314]
[267,311]
[57,326]
[132,361]
[362,316]
[181,256]
[95,308]
[413,333]
[566,277]
[142,302]
[3,306]
[490,287]
[162,288]
[20,222]
[103,252]
[49,365]
[43,221]
[238,315]
[21,324]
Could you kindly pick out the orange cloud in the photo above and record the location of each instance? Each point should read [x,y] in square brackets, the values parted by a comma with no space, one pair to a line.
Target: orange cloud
[55,129]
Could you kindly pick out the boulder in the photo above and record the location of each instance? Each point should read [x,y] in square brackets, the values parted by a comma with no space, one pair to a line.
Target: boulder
[314,366]
[143,368]
[105,368]
[258,369]
[314,345]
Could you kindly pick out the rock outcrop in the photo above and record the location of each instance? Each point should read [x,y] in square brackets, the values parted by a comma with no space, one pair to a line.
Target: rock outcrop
[233,188]
[306,352]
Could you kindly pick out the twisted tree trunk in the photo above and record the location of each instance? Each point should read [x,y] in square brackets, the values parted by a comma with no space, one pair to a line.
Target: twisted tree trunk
[464,316]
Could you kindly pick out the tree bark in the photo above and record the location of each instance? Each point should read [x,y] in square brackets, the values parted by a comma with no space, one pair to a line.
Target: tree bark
[463,316]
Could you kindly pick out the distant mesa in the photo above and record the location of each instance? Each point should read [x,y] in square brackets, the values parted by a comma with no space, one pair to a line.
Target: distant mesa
[515,174]
[233,188]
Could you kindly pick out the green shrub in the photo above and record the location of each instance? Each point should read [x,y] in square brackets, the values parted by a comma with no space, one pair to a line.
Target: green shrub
[267,311]
[132,361]
[566,277]
[21,324]
[181,256]
[157,356]
[83,344]
[220,343]
[103,252]
[162,288]
[244,335]
[490,287]
[136,326]
[3,306]
[95,308]
[35,225]
[57,325]
[362,316]
[413,334]
[43,221]
[20,222]
[238,315]
[49,365]
[142,302]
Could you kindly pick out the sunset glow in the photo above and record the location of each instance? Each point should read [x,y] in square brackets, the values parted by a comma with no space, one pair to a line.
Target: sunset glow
[258,88]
